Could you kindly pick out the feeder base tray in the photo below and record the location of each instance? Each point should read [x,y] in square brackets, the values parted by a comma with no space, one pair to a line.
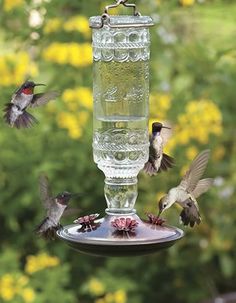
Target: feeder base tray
[102,239]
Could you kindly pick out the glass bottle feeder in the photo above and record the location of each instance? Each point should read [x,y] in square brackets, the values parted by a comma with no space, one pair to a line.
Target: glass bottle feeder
[120,139]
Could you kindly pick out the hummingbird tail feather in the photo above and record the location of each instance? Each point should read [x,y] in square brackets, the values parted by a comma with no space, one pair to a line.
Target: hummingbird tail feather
[49,234]
[7,112]
[166,162]
[17,117]
[149,169]
[190,216]
[25,120]
[46,230]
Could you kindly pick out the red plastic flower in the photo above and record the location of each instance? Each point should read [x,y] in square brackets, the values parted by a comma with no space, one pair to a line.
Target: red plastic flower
[124,224]
[153,219]
[87,221]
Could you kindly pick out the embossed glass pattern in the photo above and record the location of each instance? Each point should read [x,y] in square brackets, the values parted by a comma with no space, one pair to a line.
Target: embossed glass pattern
[121,92]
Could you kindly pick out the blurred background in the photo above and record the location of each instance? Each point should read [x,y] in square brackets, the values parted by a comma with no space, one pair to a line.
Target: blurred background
[193,76]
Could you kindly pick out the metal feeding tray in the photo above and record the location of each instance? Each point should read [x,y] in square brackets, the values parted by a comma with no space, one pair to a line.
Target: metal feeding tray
[102,239]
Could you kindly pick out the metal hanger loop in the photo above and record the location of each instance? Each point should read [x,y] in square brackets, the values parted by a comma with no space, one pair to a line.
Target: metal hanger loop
[123,2]
[105,18]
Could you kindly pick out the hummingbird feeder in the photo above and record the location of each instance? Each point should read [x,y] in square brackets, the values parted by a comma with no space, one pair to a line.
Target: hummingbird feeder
[120,139]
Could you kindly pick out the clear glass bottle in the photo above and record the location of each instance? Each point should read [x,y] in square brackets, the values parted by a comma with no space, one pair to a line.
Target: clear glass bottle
[121,93]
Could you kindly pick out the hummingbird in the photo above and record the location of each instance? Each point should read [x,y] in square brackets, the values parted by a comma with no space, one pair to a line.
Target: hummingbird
[15,111]
[158,161]
[189,189]
[55,207]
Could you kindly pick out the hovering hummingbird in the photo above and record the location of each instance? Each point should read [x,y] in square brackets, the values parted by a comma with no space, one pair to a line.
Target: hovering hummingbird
[190,188]
[158,161]
[15,111]
[55,207]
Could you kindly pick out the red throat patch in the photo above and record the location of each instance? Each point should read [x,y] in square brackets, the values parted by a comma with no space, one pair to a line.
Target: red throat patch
[28,90]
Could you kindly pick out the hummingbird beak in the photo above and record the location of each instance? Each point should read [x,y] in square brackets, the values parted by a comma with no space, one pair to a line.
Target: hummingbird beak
[160,212]
[166,127]
[38,84]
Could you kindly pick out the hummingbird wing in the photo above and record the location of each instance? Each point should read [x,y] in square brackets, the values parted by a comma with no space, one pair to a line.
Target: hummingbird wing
[166,162]
[196,170]
[70,211]
[25,120]
[202,187]
[45,191]
[43,98]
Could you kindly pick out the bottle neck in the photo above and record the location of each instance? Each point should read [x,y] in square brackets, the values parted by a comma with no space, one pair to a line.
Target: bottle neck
[121,195]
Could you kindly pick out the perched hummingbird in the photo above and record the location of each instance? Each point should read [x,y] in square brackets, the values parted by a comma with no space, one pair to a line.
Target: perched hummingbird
[158,161]
[190,188]
[55,207]
[15,111]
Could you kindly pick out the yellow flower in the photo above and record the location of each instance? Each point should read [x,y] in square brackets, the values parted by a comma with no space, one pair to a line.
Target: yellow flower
[217,129]
[86,54]
[12,285]
[200,119]
[83,117]
[68,95]
[66,120]
[170,145]
[7,293]
[7,279]
[40,262]
[191,152]
[15,67]
[79,96]
[109,298]
[85,97]
[78,55]
[78,23]
[75,132]
[9,5]
[159,106]
[120,296]
[52,25]
[218,153]
[28,295]
[203,135]
[73,123]
[22,281]
[56,52]
[187,2]
[96,287]
[74,54]
[184,136]
[7,288]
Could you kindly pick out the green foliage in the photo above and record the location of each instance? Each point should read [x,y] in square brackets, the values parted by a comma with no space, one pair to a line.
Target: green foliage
[193,58]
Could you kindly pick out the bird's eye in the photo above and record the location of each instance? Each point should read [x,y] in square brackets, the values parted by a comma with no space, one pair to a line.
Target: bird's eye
[164,205]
